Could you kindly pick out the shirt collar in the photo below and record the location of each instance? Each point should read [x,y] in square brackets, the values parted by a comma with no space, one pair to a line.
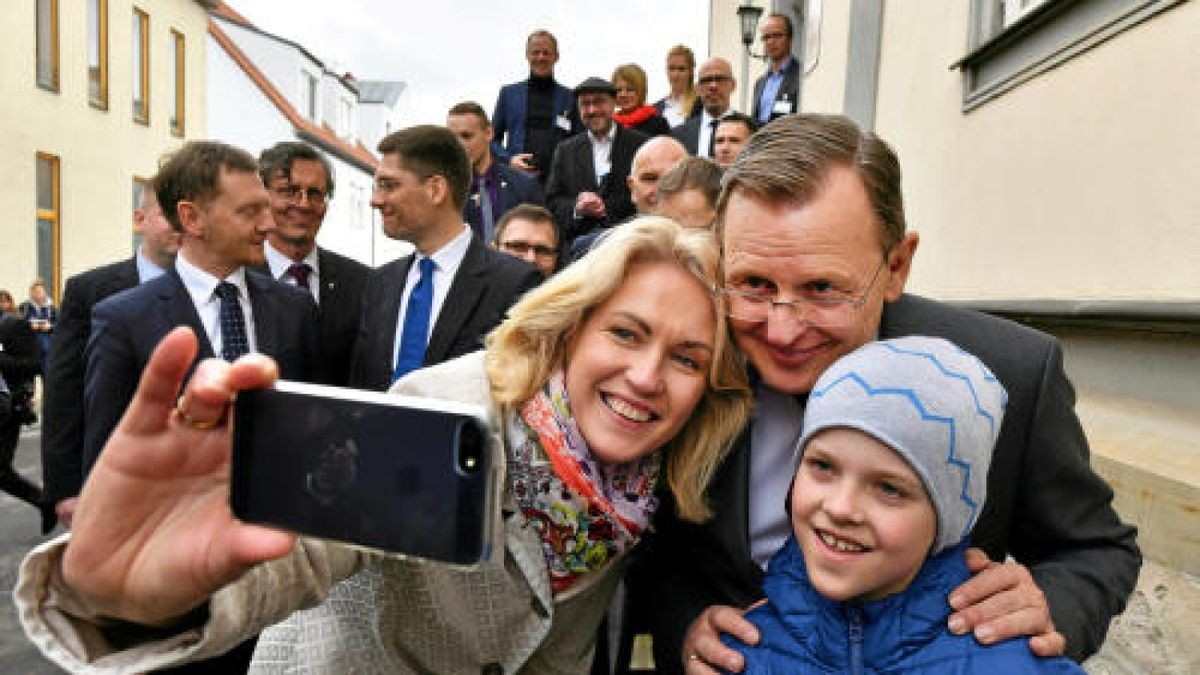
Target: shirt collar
[782,66]
[279,263]
[200,285]
[607,138]
[146,269]
[449,257]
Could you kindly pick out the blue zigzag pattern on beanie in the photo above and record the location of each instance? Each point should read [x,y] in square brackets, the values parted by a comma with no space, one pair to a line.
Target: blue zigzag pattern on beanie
[911,396]
[986,374]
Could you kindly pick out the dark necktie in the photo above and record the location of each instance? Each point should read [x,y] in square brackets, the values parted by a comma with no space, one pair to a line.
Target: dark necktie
[300,272]
[712,136]
[233,323]
[414,336]
[488,217]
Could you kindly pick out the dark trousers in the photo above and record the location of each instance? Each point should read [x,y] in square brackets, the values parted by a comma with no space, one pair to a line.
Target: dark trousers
[10,481]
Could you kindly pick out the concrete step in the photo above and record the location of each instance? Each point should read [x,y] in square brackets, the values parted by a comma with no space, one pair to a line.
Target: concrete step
[1150,454]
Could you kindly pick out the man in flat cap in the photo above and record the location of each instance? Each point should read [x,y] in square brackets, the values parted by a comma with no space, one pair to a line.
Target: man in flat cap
[587,190]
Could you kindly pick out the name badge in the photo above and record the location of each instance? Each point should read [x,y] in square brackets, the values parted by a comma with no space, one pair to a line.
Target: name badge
[564,122]
[783,106]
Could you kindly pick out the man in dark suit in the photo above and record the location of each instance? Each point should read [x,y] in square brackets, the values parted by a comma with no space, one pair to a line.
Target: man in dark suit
[777,91]
[532,116]
[299,182]
[210,193]
[495,188]
[62,402]
[816,257]
[715,87]
[439,302]
[587,188]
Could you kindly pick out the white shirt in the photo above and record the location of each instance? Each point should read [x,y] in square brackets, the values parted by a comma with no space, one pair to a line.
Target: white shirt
[602,152]
[202,286]
[673,111]
[446,262]
[279,264]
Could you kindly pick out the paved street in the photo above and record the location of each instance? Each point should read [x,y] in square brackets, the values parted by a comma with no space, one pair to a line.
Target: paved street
[18,534]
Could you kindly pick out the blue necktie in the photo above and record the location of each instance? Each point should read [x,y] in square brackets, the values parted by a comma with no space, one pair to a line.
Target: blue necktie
[413,339]
[233,323]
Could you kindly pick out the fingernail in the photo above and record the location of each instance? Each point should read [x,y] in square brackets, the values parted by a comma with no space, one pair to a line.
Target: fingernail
[957,625]
[985,634]
[956,601]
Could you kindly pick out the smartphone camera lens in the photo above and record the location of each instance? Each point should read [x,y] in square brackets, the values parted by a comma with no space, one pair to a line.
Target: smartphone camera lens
[470,448]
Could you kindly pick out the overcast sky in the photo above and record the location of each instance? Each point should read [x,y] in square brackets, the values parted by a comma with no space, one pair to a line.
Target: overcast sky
[453,50]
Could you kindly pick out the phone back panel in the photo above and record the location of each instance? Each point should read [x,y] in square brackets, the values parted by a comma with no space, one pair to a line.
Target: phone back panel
[367,473]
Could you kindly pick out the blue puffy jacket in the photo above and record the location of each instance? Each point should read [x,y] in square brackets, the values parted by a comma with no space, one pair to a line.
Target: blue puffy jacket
[803,632]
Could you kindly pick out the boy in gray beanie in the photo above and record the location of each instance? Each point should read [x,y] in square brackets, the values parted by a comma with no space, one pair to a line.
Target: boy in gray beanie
[894,457]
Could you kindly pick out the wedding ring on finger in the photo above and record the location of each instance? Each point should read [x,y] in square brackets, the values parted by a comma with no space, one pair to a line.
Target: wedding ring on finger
[191,421]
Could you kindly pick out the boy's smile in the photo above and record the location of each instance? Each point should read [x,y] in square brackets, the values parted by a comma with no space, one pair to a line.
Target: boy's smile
[861,516]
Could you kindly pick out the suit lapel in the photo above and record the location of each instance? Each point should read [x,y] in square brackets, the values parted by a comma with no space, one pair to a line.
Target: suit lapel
[385,323]
[731,488]
[178,308]
[465,289]
[264,302]
[586,161]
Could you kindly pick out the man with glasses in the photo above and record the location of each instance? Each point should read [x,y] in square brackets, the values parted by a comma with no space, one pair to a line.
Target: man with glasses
[528,232]
[776,92]
[440,301]
[816,257]
[715,86]
[299,182]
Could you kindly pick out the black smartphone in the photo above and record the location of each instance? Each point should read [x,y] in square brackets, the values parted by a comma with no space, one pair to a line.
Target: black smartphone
[396,474]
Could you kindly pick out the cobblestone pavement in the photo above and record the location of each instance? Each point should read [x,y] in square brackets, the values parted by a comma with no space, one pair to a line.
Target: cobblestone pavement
[1157,635]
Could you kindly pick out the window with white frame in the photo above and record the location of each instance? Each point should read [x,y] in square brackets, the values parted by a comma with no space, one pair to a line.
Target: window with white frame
[309,82]
[345,116]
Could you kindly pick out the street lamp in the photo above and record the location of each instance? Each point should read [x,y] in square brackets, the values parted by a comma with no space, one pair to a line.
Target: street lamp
[748,16]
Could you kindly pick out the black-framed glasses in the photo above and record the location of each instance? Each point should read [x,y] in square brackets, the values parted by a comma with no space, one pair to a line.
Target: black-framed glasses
[714,79]
[296,194]
[818,306]
[523,247]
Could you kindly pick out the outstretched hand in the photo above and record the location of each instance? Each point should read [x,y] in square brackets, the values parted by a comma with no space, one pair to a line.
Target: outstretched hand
[153,535]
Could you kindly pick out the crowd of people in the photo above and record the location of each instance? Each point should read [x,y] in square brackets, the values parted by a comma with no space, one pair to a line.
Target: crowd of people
[620,284]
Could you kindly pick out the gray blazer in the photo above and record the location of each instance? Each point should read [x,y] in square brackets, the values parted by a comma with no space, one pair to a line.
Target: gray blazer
[390,615]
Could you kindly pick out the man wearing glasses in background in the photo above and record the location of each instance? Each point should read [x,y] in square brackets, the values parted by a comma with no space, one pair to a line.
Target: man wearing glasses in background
[776,92]
[527,232]
[299,184]
[716,85]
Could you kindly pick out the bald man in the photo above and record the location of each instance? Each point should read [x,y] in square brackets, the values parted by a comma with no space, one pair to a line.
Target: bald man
[653,159]
[715,86]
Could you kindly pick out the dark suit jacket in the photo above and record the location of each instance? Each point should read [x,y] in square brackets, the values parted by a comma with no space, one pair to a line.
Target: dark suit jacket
[688,133]
[20,355]
[486,285]
[128,326]
[342,284]
[573,171]
[789,90]
[1045,506]
[508,119]
[62,403]
[513,187]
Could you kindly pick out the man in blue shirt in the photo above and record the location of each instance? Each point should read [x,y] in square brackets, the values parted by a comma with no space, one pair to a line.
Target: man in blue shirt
[777,92]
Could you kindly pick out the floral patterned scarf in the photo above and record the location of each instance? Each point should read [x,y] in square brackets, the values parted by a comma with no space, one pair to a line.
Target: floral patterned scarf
[586,512]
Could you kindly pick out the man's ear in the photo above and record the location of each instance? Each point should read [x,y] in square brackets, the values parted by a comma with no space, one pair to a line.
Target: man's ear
[190,218]
[437,188]
[899,264]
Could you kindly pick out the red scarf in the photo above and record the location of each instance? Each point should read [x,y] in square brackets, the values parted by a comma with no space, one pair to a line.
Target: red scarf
[630,120]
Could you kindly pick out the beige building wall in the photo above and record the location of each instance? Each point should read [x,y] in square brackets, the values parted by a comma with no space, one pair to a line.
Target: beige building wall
[1078,184]
[100,151]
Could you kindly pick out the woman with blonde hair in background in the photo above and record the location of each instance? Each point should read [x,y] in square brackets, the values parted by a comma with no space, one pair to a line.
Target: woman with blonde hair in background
[681,103]
[632,111]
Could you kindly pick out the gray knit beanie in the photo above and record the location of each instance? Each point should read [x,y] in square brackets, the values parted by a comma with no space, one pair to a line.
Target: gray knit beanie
[933,403]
